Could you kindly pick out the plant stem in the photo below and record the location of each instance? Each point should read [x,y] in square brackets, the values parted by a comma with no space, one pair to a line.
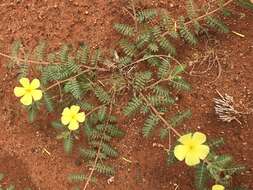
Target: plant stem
[202,16]
[146,58]
[135,18]
[159,81]
[159,115]
[68,79]
[99,149]
[48,63]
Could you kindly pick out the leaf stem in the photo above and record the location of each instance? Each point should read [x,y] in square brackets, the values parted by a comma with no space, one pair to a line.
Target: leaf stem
[159,115]
[202,16]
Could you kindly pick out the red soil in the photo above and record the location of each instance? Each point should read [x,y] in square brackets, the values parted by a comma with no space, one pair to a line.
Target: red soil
[22,155]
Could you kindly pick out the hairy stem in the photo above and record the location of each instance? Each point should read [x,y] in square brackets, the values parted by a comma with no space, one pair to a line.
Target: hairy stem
[203,16]
[20,60]
[159,115]
[66,80]
[99,149]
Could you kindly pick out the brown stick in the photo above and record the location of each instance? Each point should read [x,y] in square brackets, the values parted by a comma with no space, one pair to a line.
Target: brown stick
[159,115]
[49,63]
[203,16]
[68,79]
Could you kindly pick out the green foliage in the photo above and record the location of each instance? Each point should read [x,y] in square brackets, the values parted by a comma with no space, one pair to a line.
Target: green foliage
[174,122]
[48,102]
[180,117]
[99,129]
[146,65]
[192,11]
[245,3]
[102,95]
[180,84]
[168,25]
[149,125]
[133,106]
[39,51]
[217,24]
[83,54]
[141,79]
[124,29]
[80,178]
[15,50]
[220,168]
[128,48]
[105,148]
[68,144]
[23,70]
[201,176]
[216,143]
[185,32]
[74,88]
[96,57]
[146,15]
[91,154]
[64,53]
[32,112]
[104,169]
[171,159]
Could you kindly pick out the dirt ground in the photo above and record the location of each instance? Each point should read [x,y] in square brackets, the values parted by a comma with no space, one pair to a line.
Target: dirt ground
[22,145]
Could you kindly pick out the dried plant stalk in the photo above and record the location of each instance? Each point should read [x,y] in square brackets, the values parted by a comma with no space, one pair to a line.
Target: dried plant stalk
[224,108]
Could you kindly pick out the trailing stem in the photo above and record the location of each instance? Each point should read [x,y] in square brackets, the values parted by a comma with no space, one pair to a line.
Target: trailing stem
[159,115]
[201,17]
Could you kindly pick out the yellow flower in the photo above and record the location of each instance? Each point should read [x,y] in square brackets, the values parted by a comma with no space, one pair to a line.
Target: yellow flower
[192,148]
[218,187]
[72,117]
[28,91]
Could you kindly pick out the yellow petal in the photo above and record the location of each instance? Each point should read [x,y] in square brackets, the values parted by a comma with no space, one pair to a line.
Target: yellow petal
[25,82]
[65,119]
[202,151]
[192,159]
[81,117]
[73,125]
[74,109]
[36,94]
[199,138]
[26,99]
[180,152]
[19,91]
[35,84]
[185,139]
[66,111]
[218,187]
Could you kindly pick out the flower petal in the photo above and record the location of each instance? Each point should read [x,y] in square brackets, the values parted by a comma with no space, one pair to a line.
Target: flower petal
[19,91]
[35,83]
[36,94]
[26,99]
[199,138]
[25,82]
[202,151]
[81,117]
[65,119]
[66,111]
[180,151]
[192,159]
[74,109]
[185,139]
[218,187]
[73,125]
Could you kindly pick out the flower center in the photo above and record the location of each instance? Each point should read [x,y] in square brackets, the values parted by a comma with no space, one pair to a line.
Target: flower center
[73,116]
[28,90]
[191,147]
